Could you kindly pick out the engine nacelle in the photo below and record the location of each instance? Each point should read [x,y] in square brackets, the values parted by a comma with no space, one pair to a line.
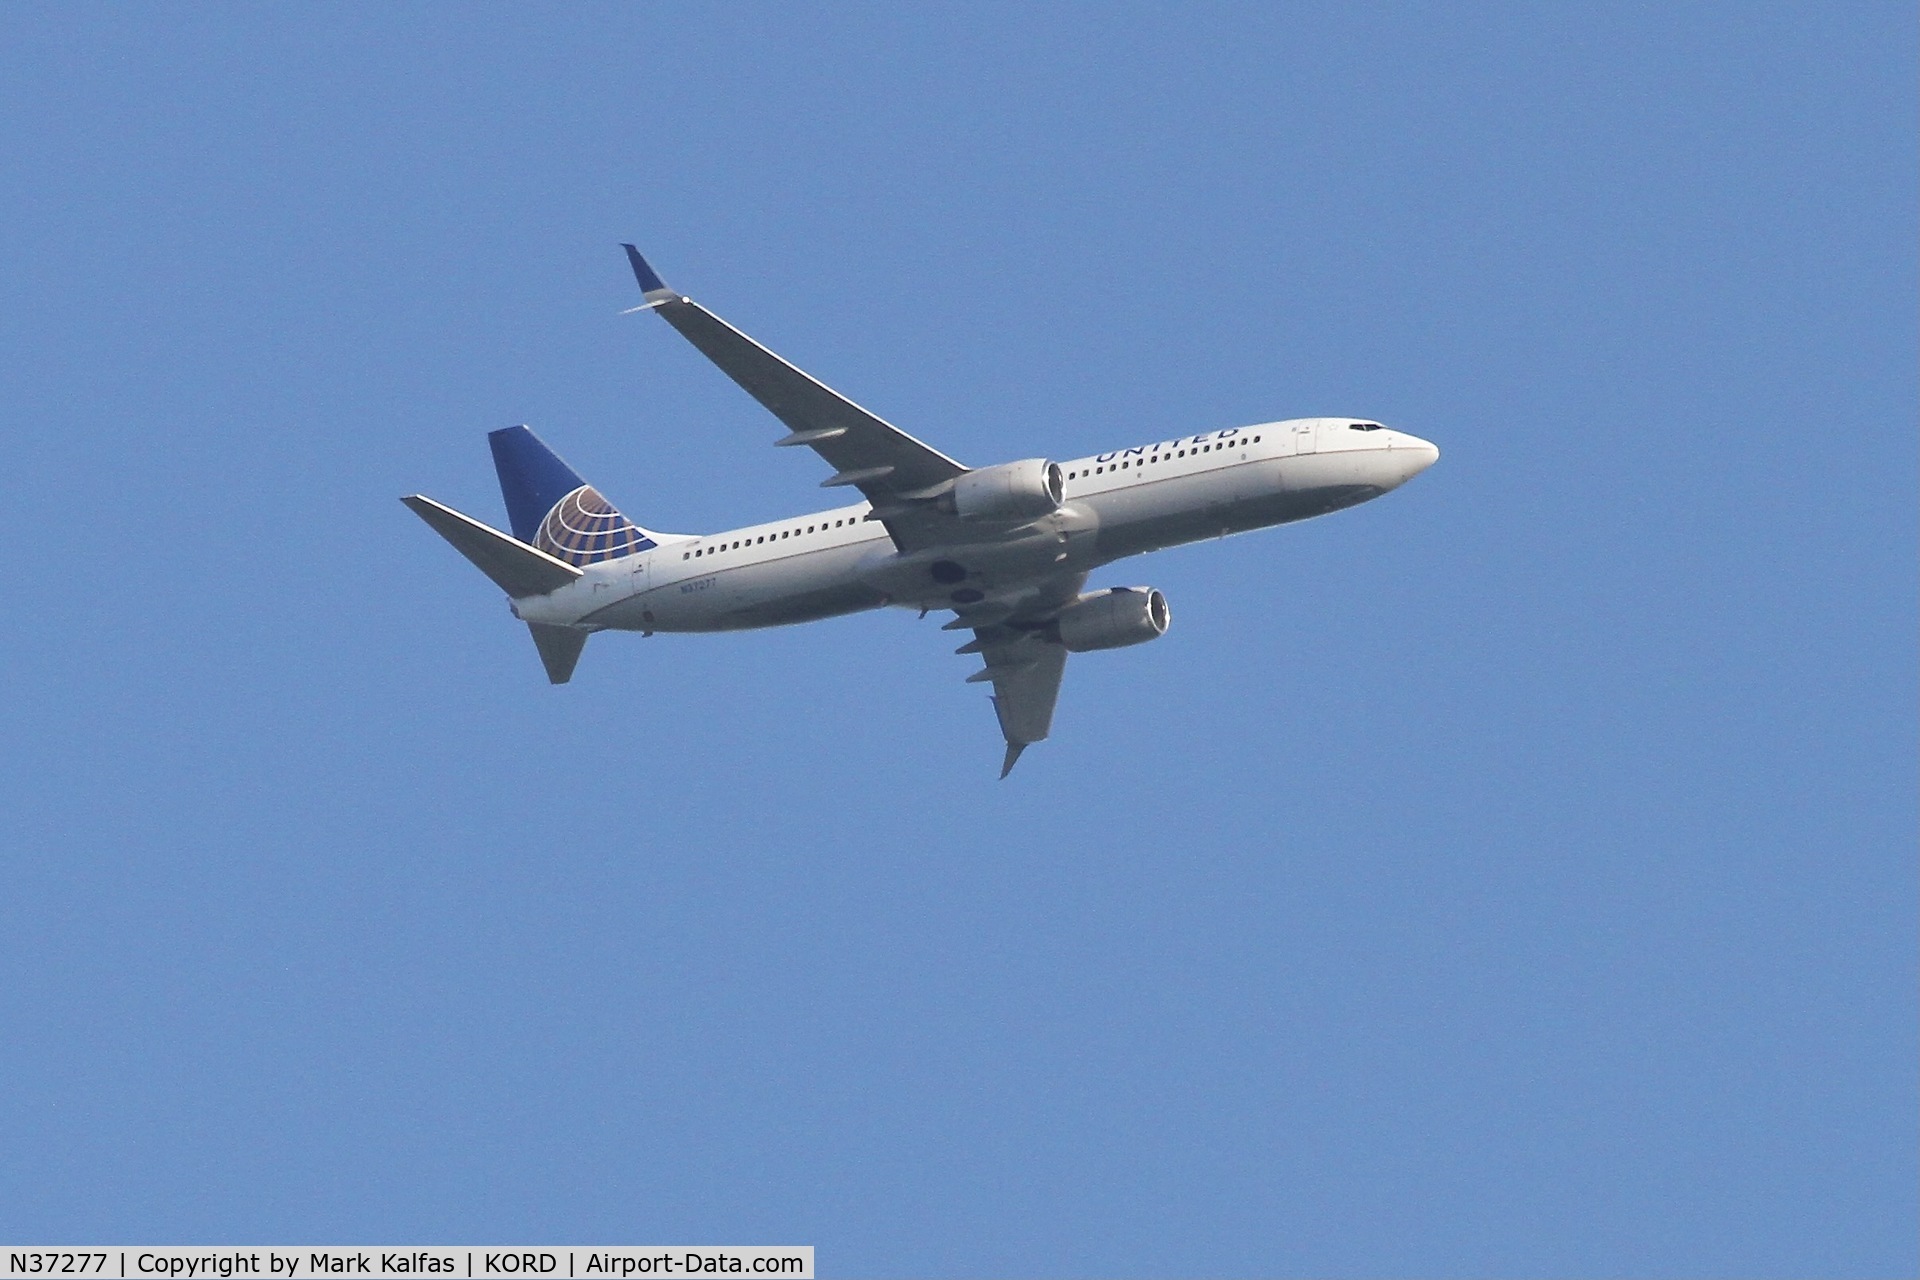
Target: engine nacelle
[1114,619]
[1011,491]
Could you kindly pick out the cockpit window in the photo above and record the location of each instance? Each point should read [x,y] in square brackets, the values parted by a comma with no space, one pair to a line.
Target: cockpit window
[1364,426]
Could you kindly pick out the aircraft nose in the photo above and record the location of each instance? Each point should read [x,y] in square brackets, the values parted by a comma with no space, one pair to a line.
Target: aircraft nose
[1412,455]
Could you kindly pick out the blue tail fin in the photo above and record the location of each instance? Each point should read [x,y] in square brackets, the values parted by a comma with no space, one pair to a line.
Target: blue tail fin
[552,508]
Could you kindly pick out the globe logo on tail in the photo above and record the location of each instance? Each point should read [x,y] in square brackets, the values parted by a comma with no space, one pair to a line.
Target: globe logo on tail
[583,528]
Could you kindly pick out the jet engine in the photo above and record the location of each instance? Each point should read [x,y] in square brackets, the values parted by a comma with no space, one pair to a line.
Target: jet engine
[1011,491]
[1113,619]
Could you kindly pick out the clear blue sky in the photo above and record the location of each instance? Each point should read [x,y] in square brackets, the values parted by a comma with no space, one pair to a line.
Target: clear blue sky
[1516,875]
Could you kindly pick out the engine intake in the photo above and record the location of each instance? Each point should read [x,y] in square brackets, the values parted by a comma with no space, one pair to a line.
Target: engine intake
[1113,619]
[1011,491]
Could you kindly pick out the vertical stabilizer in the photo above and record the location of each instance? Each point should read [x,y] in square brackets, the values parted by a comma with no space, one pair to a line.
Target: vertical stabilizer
[533,478]
[559,649]
[552,508]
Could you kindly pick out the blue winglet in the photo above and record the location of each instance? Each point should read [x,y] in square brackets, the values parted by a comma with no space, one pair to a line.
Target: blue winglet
[649,279]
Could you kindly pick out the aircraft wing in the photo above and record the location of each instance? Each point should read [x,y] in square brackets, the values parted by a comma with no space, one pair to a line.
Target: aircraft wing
[1026,675]
[1023,661]
[884,463]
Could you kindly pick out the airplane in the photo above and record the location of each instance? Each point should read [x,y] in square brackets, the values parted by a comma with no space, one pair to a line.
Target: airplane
[1006,549]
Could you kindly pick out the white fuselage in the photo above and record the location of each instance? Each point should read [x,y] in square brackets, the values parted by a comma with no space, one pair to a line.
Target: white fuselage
[1115,505]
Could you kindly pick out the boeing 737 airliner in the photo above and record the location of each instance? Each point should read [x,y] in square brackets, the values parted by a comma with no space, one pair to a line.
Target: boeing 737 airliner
[1006,548]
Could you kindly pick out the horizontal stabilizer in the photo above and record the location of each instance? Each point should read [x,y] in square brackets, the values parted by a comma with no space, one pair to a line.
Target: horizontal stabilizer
[516,568]
[559,649]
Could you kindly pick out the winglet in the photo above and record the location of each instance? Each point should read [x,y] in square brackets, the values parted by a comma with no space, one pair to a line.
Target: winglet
[1013,756]
[652,287]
